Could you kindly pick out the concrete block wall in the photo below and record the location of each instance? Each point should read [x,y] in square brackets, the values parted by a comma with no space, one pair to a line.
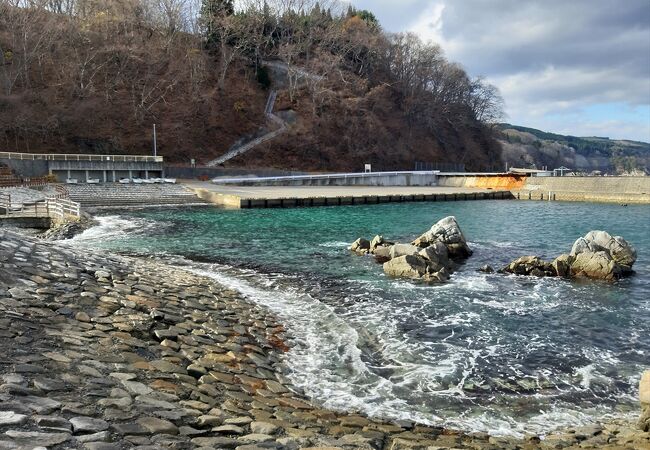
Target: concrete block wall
[589,189]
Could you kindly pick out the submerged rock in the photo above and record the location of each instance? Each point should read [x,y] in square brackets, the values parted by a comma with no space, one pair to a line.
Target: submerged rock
[530,265]
[486,269]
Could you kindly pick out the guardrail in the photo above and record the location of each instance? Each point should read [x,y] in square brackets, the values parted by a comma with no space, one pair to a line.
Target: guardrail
[61,207]
[79,157]
[326,176]
[51,207]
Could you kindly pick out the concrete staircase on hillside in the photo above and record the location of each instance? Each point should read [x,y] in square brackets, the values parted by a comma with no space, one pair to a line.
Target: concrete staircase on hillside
[243,148]
[131,194]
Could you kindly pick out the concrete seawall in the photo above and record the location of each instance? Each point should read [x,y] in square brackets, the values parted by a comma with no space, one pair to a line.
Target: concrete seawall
[586,189]
[504,181]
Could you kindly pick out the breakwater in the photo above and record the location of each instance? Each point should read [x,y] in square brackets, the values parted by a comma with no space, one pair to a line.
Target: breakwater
[111,352]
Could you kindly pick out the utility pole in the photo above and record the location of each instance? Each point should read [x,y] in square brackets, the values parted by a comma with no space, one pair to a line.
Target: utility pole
[155,150]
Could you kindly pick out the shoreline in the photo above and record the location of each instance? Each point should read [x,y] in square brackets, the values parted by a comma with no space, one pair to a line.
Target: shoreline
[147,353]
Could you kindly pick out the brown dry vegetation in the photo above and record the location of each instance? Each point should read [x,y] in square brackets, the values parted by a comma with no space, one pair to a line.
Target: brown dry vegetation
[92,76]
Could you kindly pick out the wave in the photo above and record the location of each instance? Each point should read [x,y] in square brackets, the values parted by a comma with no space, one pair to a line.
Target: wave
[110,228]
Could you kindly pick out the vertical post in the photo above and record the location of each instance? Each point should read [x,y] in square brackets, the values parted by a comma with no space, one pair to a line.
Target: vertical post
[155,149]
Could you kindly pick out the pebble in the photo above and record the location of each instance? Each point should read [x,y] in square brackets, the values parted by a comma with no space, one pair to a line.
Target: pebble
[12,418]
[155,425]
[88,425]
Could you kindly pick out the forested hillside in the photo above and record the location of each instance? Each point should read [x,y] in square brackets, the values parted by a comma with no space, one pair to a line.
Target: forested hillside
[93,76]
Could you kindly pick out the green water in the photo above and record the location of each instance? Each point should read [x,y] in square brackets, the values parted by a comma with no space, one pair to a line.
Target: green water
[487,352]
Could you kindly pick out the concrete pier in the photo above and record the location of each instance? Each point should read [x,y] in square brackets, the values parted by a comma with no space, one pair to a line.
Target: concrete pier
[311,196]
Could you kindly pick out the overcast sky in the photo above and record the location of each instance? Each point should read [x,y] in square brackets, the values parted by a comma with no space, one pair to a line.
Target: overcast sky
[579,67]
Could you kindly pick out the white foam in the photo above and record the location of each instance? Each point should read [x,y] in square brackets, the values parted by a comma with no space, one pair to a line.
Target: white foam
[111,228]
[586,375]
[334,244]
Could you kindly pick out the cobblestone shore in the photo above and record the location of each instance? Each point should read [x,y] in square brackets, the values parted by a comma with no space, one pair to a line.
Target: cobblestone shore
[107,352]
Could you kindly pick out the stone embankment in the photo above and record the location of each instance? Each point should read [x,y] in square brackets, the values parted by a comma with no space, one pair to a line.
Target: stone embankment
[107,352]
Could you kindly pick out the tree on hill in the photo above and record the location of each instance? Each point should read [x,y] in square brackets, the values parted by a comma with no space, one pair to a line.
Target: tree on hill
[212,14]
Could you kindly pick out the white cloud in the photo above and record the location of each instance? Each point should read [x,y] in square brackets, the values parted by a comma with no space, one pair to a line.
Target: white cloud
[551,58]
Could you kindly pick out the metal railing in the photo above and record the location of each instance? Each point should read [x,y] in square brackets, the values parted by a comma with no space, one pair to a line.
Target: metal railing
[325,176]
[51,207]
[79,157]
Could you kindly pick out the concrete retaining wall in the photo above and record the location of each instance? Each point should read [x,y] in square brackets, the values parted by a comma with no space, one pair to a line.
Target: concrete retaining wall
[588,189]
[341,179]
[190,173]
[25,222]
[27,168]
[484,182]
[379,180]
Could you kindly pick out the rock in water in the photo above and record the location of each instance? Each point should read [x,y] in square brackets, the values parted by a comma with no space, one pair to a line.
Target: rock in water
[449,233]
[361,246]
[427,258]
[530,265]
[562,265]
[398,250]
[382,254]
[437,255]
[408,266]
[644,398]
[378,242]
[600,241]
[486,269]
[416,267]
[598,265]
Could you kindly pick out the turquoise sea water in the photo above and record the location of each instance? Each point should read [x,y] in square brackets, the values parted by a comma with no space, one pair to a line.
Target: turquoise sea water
[483,352]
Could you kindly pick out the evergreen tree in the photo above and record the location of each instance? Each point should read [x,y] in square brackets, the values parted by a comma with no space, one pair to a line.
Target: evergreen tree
[211,10]
[369,18]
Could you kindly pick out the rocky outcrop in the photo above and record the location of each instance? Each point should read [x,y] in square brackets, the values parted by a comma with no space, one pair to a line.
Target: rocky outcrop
[616,248]
[430,257]
[68,229]
[398,250]
[597,255]
[449,233]
[361,246]
[597,265]
[644,398]
[562,265]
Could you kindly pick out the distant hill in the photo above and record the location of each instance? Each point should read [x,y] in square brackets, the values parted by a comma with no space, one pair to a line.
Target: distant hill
[535,148]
